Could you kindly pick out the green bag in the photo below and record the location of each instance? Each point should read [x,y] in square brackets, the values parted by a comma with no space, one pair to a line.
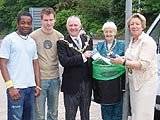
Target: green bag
[104,71]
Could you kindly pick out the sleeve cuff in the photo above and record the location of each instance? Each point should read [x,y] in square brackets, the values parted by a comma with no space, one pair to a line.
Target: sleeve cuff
[84,58]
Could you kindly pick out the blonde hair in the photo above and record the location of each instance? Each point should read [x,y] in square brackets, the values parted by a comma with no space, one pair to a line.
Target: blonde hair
[140,17]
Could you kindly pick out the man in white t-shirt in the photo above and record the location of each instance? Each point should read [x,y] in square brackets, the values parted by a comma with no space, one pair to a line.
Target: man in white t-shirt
[20,70]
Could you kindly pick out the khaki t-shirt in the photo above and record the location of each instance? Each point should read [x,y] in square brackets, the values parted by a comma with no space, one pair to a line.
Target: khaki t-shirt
[47,52]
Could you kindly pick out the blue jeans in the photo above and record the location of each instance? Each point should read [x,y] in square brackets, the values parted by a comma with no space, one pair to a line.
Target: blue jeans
[24,108]
[49,93]
[112,112]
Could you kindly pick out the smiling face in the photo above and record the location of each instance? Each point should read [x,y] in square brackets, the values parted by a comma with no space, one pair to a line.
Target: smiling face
[109,34]
[73,26]
[24,25]
[48,22]
[135,27]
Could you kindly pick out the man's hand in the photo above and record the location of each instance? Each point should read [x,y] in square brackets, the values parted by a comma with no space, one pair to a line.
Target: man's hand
[37,91]
[88,54]
[14,93]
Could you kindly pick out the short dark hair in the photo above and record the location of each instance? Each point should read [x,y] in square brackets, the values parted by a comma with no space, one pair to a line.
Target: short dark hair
[24,13]
[47,11]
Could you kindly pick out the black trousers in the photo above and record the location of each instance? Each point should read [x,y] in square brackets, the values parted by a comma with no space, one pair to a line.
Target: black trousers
[81,99]
[157,111]
[156,115]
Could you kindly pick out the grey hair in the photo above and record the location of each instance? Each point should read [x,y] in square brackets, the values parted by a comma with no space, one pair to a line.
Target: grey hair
[140,17]
[74,17]
[109,24]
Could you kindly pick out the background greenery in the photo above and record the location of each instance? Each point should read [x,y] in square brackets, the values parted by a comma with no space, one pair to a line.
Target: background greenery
[93,13]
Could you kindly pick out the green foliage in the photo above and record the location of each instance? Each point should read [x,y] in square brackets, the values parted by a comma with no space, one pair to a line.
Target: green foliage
[96,8]
[149,8]
[10,8]
[8,13]
[61,19]
[1,3]
[93,13]
[87,22]
[97,12]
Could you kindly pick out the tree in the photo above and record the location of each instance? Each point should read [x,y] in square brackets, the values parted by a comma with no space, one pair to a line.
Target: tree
[97,12]
[93,13]
[149,8]
[61,19]
[10,8]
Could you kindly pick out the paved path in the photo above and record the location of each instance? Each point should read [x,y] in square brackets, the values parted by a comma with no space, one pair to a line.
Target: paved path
[94,111]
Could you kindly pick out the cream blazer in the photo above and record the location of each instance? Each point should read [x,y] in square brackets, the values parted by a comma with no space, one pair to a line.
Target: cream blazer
[144,51]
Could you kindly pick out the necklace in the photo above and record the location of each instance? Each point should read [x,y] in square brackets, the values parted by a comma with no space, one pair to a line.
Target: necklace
[23,37]
[78,50]
[110,50]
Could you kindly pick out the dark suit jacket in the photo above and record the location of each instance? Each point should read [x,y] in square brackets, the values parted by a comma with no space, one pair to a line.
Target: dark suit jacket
[75,70]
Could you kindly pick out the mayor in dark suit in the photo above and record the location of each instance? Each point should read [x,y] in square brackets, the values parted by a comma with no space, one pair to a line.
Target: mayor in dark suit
[74,54]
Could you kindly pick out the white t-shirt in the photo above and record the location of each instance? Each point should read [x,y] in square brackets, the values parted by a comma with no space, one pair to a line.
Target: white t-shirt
[20,54]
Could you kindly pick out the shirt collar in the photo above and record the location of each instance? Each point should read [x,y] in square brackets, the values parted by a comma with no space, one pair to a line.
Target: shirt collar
[73,38]
[139,38]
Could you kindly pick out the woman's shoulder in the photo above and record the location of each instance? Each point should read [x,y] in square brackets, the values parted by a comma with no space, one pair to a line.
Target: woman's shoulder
[148,39]
[101,42]
[120,42]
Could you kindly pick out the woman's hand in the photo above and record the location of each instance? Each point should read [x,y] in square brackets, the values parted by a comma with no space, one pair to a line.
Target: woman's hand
[118,60]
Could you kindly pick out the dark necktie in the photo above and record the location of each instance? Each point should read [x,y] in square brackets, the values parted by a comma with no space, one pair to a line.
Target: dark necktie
[78,43]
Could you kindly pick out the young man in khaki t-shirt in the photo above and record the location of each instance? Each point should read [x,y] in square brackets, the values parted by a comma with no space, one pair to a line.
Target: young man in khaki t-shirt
[46,38]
